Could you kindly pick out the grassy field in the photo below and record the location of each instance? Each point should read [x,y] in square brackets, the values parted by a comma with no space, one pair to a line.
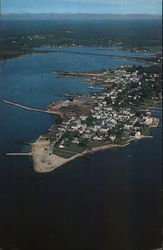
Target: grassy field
[146,131]
[95,144]
[75,148]
[63,153]
[69,151]
[144,105]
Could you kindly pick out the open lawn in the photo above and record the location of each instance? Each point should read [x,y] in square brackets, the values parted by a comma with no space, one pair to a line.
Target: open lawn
[69,151]
[63,153]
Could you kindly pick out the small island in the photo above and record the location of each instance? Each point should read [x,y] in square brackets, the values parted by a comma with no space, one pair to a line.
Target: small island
[120,112]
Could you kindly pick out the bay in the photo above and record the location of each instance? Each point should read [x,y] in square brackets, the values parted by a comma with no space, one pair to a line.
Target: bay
[111,201]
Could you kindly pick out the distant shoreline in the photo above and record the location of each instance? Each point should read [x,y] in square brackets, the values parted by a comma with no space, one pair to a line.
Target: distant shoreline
[79,16]
[31,52]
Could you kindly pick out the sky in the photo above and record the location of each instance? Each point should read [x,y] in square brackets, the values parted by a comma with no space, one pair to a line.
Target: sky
[83,6]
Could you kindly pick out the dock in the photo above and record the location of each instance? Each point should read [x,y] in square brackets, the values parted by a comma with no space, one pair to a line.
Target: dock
[18,154]
[98,88]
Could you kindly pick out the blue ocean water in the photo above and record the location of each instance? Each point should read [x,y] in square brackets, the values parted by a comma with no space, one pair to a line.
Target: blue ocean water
[111,201]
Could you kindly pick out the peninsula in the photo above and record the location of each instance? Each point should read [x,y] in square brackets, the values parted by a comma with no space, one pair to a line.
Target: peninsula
[120,112]
[113,117]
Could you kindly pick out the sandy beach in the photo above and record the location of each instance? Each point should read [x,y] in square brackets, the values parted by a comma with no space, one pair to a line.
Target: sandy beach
[45,161]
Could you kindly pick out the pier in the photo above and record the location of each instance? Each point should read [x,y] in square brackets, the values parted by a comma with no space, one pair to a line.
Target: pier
[32,109]
[155,109]
[18,154]
[151,109]
[98,88]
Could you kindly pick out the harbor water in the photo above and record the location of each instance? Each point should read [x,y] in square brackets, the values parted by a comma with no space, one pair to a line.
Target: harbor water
[110,201]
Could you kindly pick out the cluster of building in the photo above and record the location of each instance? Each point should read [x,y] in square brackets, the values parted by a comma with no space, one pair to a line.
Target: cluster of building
[105,121]
[114,76]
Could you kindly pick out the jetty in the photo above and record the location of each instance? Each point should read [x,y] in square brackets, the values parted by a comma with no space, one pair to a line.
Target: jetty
[32,109]
[155,109]
[98,88]
[19,154]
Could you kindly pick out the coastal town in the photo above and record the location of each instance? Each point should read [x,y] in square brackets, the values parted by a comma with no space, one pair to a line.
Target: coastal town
[81,124]
[118,110]
[111,117]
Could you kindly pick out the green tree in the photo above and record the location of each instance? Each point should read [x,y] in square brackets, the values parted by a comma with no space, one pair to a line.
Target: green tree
[84,143]
[58,120]
[108,100]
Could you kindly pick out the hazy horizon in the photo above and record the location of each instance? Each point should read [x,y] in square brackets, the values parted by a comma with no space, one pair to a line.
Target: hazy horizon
[80,13]
[152,7]
[79,16]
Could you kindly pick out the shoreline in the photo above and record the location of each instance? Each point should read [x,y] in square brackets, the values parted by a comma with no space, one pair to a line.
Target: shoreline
[44,161]
[37,52]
